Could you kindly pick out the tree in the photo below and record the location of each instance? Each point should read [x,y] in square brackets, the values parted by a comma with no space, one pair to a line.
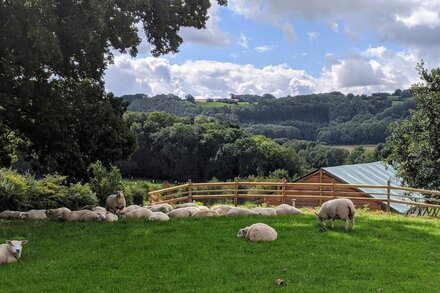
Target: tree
[50,49]
[414,143]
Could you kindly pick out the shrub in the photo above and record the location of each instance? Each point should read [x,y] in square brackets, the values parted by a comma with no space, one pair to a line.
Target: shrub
[79,195]
[47,193]
[136,192]
[13,190]
[105,181]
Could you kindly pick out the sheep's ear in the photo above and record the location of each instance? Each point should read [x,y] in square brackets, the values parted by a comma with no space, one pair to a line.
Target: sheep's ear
[23,242]
[316,214]
[9,242]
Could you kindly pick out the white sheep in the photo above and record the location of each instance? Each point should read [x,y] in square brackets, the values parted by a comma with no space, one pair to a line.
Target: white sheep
[130,208]
[205,213]
[109,217]
[258,232]
[241,212]
[187,205]
[264,211]
[55,213]
[183,212]
[285,209]
[159,216]
[222,209]
[10,252]
[341,208]
[10,215]
[138,214]
[92,216]
[203,208]
[115,203]
[161,207]
[35,215]
[72,216]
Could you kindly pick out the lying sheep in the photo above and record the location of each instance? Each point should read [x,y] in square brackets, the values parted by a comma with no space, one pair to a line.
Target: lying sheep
[10,215]
[241,212]
[159,216]
[10,252]
[187,205]
[35,215]
[183,212]
[138,214]
[258,232]
[92,216]
[203,208]
[285,209]
[72,216]
[205,213]
[130,208]
[222,209]
[341,208]
[109,217]
[115,203]
[264,211]
[55,213]
[161,207]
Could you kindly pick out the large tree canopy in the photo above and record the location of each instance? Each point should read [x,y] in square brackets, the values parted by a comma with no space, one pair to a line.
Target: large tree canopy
[53,55]
[414,143]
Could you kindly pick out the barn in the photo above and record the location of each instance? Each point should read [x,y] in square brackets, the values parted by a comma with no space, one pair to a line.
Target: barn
[376,173]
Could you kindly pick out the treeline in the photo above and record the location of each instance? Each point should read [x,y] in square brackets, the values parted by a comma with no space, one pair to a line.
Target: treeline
[201,148]
[331,118]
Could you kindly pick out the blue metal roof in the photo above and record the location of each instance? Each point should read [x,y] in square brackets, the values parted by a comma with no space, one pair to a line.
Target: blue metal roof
[376,173]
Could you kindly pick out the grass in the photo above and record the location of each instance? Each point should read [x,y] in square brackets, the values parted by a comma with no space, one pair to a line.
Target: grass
[386,253]
[153,185]
[368,147]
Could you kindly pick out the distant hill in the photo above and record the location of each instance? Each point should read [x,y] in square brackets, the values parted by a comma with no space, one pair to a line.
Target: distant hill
[332,118]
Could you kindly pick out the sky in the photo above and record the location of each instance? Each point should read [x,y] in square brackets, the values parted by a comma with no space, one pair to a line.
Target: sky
[293,47]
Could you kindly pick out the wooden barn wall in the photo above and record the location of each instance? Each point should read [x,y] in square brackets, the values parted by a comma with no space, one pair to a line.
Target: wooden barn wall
[326,191]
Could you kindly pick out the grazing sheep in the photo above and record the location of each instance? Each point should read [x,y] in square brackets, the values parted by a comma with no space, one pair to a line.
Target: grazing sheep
[138,214]
[258,232]
[341,208]
[265,211]
[115,203]
[54,214]
[92,216]
[205,213]
[285,209]
[109,217]
[187,205]
[35,215]
[183,212]
[161,207]
[222,209]
[11,251]
[159,216]
[72,216]
[130,208]
[10,215]
[241,212]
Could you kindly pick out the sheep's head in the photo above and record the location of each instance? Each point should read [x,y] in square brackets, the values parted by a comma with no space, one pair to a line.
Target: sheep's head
[242,232]
[120,197]
[15,247]
[318,218]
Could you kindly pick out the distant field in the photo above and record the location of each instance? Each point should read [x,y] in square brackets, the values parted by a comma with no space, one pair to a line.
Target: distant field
[369,147]
[219,104]
[385,254]
[156,184]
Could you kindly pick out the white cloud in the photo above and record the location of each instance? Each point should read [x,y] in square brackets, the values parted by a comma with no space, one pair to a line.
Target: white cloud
[421,17]
[374,69]
[242,41]
[313,36]
[264,48]
[334,26]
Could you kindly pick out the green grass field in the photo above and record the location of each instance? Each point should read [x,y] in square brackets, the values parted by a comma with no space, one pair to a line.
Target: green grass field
[385,254]
[368,147]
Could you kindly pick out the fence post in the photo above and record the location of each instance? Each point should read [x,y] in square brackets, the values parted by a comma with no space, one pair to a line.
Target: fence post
[235,192]
[189,190]
[283,190]
[333,188]
[388,195]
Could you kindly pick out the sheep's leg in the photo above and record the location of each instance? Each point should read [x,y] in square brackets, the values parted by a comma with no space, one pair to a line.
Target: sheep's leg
[346,224]
[353,224]
[333,223]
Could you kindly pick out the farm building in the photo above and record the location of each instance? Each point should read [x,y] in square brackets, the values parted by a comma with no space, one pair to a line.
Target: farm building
[376,173]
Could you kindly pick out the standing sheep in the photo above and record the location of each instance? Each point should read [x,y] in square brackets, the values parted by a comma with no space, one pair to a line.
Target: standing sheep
[341,208]
[115,203]
[11,251]
[258,232]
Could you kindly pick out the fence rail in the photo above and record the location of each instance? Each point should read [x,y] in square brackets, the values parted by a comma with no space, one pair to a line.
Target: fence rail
[286,192]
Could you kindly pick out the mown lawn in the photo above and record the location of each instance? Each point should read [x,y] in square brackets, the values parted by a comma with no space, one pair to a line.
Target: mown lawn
[384,254]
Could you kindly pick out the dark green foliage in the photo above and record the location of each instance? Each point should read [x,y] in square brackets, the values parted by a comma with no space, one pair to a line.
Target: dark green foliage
[105,181]
[414,144]
[137,191]
[360,155]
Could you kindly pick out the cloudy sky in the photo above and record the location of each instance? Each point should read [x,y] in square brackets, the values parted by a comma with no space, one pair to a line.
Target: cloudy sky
[291,47]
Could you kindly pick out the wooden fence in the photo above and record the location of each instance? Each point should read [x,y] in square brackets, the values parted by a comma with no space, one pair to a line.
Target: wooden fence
[290,192]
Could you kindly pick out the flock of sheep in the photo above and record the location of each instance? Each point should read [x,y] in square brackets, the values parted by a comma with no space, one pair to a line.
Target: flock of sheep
[115,207]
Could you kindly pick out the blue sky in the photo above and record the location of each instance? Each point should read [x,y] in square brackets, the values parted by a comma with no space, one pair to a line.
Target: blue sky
[290,47]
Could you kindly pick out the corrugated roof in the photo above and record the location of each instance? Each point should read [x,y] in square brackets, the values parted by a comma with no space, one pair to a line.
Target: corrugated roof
[376,173]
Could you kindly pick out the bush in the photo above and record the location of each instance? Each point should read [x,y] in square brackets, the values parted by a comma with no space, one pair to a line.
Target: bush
[105,181]
[47,193]
[79,195]
[13,190]
[136,192]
